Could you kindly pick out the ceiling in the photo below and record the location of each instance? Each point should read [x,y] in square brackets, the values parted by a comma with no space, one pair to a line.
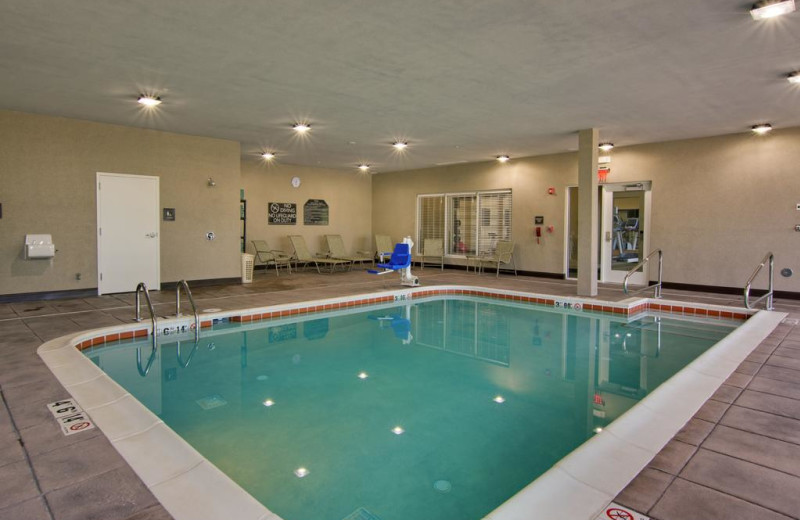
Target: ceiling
[461,81]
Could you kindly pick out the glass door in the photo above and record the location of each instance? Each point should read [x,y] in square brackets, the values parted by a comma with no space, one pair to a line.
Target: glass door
[624,231]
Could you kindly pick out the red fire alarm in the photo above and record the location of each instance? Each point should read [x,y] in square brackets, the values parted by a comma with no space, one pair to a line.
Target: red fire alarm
[551,191]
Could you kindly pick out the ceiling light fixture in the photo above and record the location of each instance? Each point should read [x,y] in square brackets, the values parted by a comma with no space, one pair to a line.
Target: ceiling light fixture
[503,158]
[268,156]
[794,77]
[363,167]
[606,147]
[301,127]
[761,128]
[149,101]
[771,8]
[400,145]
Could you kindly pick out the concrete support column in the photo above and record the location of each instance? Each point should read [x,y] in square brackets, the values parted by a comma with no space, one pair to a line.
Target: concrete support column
[587,212]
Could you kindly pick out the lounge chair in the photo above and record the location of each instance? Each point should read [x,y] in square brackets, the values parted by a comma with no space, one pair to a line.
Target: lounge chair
[303,255]
[384,246]
[270,257]
[336,250]
[432,248]
[503,254]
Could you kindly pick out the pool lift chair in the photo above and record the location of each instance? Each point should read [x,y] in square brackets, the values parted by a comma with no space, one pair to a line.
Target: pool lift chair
[400,261]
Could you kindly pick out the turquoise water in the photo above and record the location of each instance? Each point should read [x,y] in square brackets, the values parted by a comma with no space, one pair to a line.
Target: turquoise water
[438,410]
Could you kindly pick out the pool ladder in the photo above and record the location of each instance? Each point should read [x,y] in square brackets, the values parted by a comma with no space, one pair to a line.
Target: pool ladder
[142,289]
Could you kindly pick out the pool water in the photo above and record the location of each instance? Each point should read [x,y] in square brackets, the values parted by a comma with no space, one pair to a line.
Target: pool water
[436,410]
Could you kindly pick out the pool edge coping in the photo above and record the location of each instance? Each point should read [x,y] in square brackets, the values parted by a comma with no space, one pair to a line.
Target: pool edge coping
[551,492]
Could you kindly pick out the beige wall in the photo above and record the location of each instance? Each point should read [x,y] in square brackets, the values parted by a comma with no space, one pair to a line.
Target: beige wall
[394,201]
[719,203]
[48,168]
[348,194]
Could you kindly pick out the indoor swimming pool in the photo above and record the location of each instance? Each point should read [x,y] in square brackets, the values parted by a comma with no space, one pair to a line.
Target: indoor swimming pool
[437,408]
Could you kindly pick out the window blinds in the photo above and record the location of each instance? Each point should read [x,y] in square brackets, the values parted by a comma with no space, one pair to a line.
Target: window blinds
[469,223]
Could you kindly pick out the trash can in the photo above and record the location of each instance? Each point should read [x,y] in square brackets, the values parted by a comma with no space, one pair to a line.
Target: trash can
[247,268]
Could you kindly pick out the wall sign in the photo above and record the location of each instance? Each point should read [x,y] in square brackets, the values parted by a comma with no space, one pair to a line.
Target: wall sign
[315,212]
[282,213]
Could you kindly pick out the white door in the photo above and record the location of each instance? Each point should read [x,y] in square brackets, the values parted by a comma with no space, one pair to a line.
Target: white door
[127,232]
[625,239]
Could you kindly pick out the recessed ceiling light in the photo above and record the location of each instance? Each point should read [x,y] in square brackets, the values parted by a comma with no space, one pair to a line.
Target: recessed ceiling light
[794,77]
[363,167]
[400,145]
[268,155]
[301,472]
[301,127]
[499,399]
[268,402]
[149,101]
[762,128]
[363,375]
[397,430]
[503,158]
[771,9]
[606,147]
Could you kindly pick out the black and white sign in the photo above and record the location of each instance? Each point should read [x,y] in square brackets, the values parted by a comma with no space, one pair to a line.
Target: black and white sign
[282,213]
[315,212]
[70,416]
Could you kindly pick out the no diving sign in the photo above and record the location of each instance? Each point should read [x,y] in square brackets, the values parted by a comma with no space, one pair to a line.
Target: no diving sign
[615,511]
[70,416]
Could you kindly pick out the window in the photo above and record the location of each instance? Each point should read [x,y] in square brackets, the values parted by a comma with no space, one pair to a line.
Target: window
[469,223]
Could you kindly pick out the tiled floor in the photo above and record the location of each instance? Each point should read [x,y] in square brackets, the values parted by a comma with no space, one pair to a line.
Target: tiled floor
[738,458]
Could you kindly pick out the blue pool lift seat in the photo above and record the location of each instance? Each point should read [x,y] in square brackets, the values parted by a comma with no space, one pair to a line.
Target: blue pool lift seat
[400,259]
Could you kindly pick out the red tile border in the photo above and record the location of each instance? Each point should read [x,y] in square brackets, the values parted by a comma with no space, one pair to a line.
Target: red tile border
[614,309]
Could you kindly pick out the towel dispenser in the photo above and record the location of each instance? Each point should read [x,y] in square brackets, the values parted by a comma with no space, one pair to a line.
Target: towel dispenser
[39,246]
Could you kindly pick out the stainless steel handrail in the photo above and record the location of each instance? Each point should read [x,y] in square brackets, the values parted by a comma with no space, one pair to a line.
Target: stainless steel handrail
[142,287]
[185,286]
[657,292]
[769,258]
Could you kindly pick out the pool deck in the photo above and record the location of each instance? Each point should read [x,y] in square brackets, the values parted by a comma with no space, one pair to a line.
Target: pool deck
[738,458]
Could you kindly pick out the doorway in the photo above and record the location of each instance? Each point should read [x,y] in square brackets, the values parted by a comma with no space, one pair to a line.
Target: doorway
[128,244]
[624,231]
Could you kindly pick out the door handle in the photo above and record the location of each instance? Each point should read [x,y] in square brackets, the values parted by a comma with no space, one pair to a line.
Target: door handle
[608,236]
[152,234]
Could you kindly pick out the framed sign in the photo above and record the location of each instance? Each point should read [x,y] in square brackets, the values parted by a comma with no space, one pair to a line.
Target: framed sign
[315,212]
[282,213]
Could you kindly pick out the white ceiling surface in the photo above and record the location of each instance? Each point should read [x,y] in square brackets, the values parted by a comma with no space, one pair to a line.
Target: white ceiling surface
[462,81]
